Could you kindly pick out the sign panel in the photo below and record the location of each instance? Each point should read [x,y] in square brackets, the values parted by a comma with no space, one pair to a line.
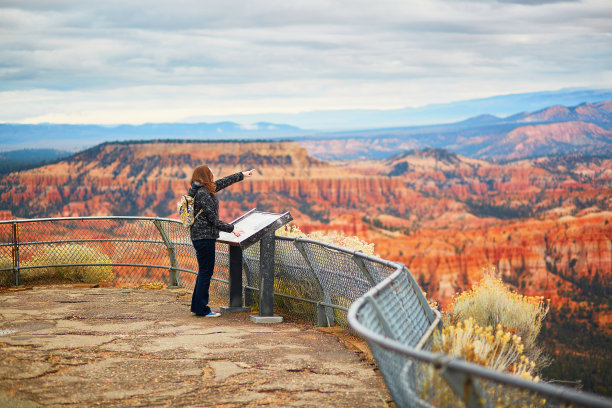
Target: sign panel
[254,224]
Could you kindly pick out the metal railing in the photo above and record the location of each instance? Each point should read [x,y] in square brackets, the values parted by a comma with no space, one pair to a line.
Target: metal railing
[119,250]
[416,377]
[313,280]
[319,281]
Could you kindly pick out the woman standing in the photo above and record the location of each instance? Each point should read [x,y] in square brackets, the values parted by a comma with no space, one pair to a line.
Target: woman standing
[205,230]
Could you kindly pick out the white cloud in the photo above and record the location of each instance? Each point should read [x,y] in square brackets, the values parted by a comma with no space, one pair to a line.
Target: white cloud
[249,126]
[140,61]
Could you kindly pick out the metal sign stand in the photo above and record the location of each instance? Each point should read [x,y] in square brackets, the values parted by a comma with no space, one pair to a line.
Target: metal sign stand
[266,282]
[235,282]
[258,227]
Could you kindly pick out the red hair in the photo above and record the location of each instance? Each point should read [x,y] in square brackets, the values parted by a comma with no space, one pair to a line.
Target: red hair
[204,176]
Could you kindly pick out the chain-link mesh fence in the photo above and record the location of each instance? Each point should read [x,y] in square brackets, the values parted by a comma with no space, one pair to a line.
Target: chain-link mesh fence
[317,281]
[116,251]
[6,254]
[296,287]
[311,279]
[392,318]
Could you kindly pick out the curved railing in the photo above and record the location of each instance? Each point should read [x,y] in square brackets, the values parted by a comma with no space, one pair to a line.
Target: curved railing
[313,280]
[417,377]
[136,249]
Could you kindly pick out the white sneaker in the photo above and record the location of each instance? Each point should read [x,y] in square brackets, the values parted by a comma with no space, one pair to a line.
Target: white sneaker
[213,314]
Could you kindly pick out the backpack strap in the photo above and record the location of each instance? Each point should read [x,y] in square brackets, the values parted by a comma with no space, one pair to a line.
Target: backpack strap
[194,204]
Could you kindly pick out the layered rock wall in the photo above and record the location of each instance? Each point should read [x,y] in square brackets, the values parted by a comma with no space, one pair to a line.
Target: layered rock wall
[543,224]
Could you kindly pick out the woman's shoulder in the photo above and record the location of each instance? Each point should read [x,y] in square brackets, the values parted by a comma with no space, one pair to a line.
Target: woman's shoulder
[203,195]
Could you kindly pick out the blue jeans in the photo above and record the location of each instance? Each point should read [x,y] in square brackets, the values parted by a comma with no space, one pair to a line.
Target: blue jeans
[205,253]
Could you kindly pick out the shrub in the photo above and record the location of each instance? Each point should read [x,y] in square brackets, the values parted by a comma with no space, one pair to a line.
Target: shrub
[6,277]
[307,289]
[497,349]
[331,237]
[296,308]
[491,303]
[66,255]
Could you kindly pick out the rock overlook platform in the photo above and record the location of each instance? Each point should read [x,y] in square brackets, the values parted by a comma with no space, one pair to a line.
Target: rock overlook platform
[74,346]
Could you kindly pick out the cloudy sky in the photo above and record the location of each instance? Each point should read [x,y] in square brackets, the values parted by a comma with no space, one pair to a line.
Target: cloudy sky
[74,61]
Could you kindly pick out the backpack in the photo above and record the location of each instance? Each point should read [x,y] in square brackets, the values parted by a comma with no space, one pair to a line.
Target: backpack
[185,210]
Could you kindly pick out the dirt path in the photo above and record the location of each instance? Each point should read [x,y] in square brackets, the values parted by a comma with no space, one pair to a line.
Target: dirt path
[77,346]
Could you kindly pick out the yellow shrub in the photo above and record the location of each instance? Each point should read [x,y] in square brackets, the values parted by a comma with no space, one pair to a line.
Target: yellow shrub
[491,303]
[497,349]
[6,277]
[300,289]
[66,255]
[492,348]
[331,237]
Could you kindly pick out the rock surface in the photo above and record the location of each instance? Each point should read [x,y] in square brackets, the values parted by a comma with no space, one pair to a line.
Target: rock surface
[72,347]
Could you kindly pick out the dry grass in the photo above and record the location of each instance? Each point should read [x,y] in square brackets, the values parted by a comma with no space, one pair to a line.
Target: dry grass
[66,255]
[493,348]
[331,237]
[497,349]
[494,327]
[491,303]
[6,277]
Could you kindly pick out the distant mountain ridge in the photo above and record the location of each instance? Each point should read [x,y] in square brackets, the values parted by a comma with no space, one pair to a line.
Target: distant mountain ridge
[585,129]
[599,114]
[306,124]
[437,113]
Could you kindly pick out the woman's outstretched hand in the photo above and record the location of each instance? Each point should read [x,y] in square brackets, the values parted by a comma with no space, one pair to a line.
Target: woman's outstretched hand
[238,232]
[248,173]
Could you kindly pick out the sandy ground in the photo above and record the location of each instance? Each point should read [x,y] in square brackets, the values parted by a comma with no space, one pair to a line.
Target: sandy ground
[75,346]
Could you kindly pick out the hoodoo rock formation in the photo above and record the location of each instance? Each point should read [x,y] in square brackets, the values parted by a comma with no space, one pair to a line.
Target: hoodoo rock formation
[543,223]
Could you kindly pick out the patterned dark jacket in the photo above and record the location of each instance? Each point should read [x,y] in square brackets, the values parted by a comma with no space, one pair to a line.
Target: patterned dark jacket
[207,225]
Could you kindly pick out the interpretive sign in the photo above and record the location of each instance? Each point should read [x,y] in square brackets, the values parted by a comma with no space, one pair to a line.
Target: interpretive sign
[255,225]
[258,226]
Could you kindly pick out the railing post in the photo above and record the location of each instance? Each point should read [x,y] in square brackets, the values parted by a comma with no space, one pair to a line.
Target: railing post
[16,273]
[382,319]
[325,315]
[174,277]
[322,320]
[463,385]
[420,297]
[365,269]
